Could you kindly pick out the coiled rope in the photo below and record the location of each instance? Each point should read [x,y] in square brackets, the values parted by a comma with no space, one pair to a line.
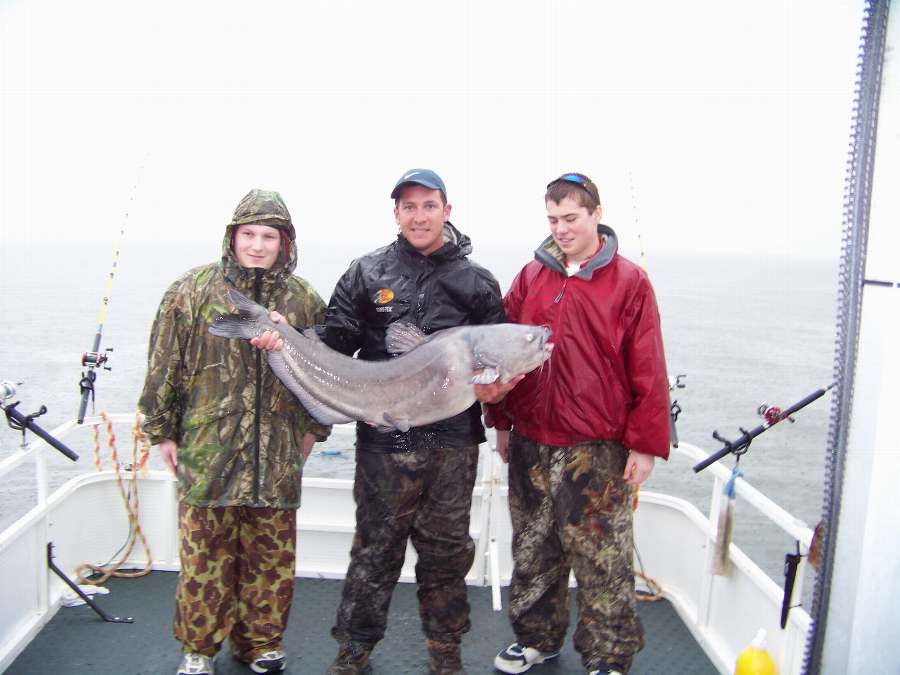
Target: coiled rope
[87,572]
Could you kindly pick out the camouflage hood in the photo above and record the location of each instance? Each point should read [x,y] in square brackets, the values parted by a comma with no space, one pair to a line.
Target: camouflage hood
[262,207]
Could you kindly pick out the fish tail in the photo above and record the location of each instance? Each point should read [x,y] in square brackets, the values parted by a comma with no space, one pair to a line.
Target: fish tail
[232,326]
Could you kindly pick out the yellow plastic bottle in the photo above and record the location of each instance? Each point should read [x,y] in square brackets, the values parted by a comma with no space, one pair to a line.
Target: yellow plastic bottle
[755,660]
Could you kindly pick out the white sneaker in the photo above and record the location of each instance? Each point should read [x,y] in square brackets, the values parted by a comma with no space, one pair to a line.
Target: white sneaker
[271,662]
[517,658]
[195,664]
[605,672]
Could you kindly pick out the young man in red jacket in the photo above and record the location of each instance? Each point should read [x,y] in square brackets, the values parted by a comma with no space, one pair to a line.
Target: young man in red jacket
[584,432]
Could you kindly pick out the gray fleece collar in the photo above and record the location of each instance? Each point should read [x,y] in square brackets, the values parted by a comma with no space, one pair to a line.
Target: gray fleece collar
[550,255]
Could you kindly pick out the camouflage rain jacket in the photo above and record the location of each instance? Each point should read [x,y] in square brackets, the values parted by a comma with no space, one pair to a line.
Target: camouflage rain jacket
[239,430]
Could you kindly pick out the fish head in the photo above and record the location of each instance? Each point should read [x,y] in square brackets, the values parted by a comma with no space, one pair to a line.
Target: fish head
[511,349]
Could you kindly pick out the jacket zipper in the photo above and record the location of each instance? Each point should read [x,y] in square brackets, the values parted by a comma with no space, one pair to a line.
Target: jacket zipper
[554,327]
[257,293]
[562,290]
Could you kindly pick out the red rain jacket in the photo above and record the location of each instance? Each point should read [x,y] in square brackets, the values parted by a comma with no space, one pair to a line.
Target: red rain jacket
[606,378]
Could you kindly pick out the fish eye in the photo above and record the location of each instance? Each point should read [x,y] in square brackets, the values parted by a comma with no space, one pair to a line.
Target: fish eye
[529,337]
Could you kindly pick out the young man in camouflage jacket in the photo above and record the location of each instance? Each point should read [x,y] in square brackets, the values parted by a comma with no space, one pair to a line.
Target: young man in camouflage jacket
[236,438]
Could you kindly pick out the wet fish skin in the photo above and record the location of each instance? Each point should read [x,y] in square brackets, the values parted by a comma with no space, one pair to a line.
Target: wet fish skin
[432,379]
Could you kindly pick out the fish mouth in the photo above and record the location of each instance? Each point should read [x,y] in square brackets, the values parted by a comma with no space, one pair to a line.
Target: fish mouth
[546,352]
[546,345]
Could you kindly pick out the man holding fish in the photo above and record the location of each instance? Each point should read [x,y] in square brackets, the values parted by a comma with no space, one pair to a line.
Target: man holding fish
[413,482]
[585,433]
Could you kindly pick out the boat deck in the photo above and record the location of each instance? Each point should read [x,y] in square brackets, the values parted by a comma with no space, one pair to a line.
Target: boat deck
[77,641]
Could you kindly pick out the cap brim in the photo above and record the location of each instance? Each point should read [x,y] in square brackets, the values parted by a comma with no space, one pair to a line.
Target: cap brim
[424,183]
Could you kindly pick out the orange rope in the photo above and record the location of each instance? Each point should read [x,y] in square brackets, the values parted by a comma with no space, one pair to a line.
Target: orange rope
[655,592]
[131,503]
[97,463]
[140,438]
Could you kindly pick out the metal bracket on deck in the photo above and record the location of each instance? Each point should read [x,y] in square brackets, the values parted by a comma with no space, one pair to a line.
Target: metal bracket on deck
[71,584]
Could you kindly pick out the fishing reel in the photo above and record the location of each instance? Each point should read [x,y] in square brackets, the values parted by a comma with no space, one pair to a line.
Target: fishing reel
[96,359]
[8,389]
[676,382]
[91,361]
[772,414]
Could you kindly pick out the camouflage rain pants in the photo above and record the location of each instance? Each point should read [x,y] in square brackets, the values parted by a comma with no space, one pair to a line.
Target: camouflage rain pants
[237,578]
[571,509]
[424,496]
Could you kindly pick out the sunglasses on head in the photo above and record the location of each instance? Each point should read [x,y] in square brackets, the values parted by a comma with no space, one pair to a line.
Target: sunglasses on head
[576,178]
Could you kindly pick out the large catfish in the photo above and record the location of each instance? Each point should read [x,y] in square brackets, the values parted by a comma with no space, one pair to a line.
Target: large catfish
[432,379]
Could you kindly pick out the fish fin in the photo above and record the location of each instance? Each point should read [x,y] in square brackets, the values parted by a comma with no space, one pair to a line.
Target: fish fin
[399,424]
[239,325]
[320,412]
[230,326]
[244,305]
[402,337]
[482,363]
[486,376]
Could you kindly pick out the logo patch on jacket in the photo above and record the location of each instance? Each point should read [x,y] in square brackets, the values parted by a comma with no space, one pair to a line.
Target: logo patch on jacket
[383,296]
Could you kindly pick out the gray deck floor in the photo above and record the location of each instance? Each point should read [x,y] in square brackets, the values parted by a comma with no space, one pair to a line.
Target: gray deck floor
[78,641]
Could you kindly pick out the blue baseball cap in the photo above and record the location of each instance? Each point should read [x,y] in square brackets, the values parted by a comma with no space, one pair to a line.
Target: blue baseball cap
[424,177]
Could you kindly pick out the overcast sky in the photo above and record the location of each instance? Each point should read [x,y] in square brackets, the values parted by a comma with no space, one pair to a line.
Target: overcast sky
[709,126]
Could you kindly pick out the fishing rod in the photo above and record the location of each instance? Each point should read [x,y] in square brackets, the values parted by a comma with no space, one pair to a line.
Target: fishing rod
[772,415]
[95,359]
[674,382]
[20,422]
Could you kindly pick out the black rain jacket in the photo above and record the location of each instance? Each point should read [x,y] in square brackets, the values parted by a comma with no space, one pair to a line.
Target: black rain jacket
[397,283]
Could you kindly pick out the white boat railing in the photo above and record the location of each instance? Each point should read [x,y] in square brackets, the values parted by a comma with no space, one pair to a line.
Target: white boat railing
[25,579]
[675,539]
[719,597]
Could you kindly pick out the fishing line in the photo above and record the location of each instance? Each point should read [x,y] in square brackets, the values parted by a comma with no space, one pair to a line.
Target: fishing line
[94,359]
[634,215]
[655,591]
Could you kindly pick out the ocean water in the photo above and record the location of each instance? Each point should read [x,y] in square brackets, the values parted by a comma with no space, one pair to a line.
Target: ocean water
[744,331]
